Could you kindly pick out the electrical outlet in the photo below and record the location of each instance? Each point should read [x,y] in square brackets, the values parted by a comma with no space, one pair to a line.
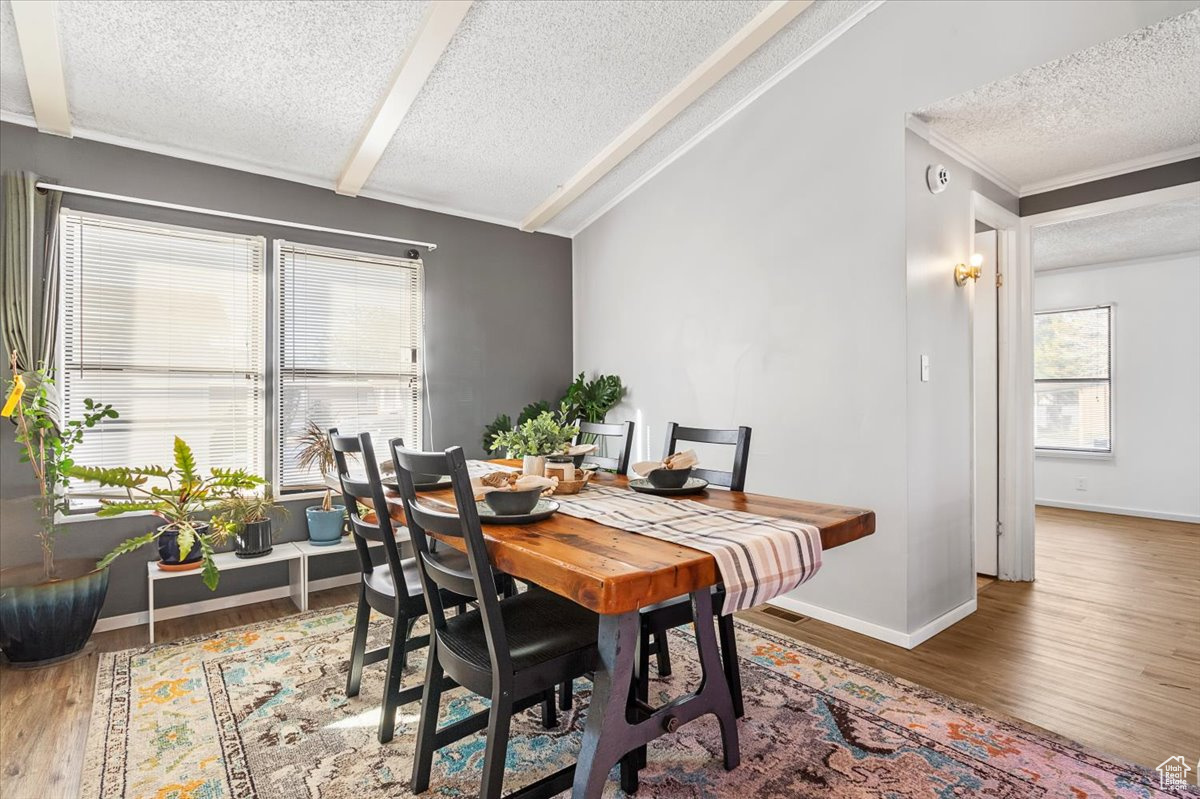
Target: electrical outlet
[1081,484]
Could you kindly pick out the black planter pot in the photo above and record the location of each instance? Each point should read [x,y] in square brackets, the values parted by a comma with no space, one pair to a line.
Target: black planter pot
[43,623]
[168,546]
[254,539]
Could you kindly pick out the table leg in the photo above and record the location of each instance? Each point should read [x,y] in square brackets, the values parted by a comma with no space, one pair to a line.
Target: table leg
[610,734]
[298,582]
[150,608]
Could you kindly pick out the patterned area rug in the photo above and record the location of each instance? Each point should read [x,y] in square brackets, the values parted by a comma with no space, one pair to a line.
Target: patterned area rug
[261,711]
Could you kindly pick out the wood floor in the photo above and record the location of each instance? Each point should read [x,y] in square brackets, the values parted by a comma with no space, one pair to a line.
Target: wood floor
[1103,648]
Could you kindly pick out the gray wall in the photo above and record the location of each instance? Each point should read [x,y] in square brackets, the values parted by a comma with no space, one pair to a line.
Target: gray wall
[776,248]
[484,284]
[1159,177]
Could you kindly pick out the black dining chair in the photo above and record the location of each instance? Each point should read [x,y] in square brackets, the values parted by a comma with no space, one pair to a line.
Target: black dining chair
[392,588]
[512,650]
[657,619]
[623,430]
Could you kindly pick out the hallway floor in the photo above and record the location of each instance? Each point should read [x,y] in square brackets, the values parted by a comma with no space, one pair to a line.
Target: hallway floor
[1103,648]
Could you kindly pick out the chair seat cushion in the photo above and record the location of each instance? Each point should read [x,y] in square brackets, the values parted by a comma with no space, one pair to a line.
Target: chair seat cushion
[540,627]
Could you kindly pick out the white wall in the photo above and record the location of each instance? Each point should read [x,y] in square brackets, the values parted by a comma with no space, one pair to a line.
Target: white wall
[762,279]
[1155,468]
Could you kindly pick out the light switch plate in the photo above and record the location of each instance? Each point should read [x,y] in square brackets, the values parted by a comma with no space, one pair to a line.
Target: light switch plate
[924,368]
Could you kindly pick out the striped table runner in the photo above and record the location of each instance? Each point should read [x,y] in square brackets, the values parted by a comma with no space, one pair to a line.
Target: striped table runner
[759,557]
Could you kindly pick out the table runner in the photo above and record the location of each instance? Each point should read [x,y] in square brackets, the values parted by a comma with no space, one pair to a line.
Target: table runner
[759,557]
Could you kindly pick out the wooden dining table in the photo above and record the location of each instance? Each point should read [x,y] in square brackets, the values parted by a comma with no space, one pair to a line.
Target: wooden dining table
[617,573]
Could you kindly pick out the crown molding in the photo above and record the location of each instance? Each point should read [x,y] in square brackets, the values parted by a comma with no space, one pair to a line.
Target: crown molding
[961,154]
[172,151]
[1113,170]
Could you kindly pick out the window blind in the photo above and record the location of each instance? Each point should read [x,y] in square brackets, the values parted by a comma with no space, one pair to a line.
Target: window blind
[168,325]
[1073,380]
[349,347]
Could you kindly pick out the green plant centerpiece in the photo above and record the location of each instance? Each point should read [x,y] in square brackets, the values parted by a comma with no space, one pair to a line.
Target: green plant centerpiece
[327,520]
[584,401]
[177,495]
[48,609]
[245,518]
[544,434]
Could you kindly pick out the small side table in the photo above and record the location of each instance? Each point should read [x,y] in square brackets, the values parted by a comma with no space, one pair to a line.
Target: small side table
[297,573]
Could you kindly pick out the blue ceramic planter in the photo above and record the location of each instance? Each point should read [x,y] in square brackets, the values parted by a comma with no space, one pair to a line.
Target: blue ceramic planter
[325,526]
[168,546]
[42,623]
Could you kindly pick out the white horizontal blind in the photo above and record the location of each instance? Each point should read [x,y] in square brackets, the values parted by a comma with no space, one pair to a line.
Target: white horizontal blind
[350,338]
[1073,380]
[167,324]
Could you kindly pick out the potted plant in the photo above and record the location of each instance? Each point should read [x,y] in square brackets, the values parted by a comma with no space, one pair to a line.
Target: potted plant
[177,495]
[535,439]
[48,610]
[246,518]
[325,521]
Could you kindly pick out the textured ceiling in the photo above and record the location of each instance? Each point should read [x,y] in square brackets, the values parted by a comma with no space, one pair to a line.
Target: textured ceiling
[524,96]
[1133,97]
[1156,230]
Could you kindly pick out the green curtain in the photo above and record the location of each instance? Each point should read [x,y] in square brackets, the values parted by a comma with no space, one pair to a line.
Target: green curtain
[29,271]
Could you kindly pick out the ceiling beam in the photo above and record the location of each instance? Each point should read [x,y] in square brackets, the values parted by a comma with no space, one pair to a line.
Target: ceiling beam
[37,32]
[741,46]
[437,28]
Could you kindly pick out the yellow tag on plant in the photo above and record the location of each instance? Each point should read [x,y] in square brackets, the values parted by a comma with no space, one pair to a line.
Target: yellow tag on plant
[14,397]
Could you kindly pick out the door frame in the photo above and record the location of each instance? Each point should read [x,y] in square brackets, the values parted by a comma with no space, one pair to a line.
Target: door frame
[1016,404]
[1015,483]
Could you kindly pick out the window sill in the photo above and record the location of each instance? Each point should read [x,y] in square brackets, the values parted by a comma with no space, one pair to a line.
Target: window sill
[90,516]
[1073,455]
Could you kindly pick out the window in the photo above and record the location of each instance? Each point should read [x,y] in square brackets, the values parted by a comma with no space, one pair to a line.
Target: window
[1073,380]
[349,347]
[166,324]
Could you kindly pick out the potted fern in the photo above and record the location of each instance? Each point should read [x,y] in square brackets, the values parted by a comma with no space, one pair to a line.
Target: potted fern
[325,521]
[177,495]
[49,609]
[246,519]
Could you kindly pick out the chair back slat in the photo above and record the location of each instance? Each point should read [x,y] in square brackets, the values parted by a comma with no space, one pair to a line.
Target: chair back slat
[436,561]
[735,479]
[370,491]
[623,430]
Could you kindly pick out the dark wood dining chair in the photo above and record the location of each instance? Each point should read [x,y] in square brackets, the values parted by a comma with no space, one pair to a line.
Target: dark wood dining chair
[622,430]
[512,650]
[392,588]
[658,619]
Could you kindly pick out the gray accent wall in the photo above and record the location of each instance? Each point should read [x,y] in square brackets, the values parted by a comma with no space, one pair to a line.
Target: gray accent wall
[497,310]
[1094,191]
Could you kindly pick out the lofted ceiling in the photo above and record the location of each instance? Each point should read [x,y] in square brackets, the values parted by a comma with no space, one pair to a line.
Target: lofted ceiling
[1130,102]
[1148,232]
[523,96]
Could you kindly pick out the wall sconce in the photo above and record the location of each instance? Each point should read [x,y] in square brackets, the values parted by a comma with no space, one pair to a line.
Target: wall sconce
[962,271]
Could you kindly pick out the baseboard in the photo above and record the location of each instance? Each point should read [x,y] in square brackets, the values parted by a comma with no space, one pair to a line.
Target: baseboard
[942,622]
[1190,518]
[218,603]
[878,631]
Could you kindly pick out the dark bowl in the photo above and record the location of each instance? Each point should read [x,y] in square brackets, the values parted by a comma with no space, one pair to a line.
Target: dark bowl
[424,479]
[513,503]
[669,478]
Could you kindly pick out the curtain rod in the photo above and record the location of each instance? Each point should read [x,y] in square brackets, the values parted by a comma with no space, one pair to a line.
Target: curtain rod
[428,245]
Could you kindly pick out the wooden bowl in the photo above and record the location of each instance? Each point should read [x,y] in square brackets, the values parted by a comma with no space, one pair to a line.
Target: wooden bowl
[573,486]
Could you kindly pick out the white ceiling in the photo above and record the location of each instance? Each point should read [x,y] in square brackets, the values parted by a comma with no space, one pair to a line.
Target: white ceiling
[526,93]
[1148,232]
[1132,98]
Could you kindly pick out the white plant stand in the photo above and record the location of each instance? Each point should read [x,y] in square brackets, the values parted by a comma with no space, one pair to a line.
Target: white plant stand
[310,550]
[226,561]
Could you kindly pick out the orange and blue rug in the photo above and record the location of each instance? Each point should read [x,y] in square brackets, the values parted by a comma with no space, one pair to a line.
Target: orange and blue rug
[261,712]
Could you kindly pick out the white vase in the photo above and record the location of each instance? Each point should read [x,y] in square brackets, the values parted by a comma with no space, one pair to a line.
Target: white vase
[534,465]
